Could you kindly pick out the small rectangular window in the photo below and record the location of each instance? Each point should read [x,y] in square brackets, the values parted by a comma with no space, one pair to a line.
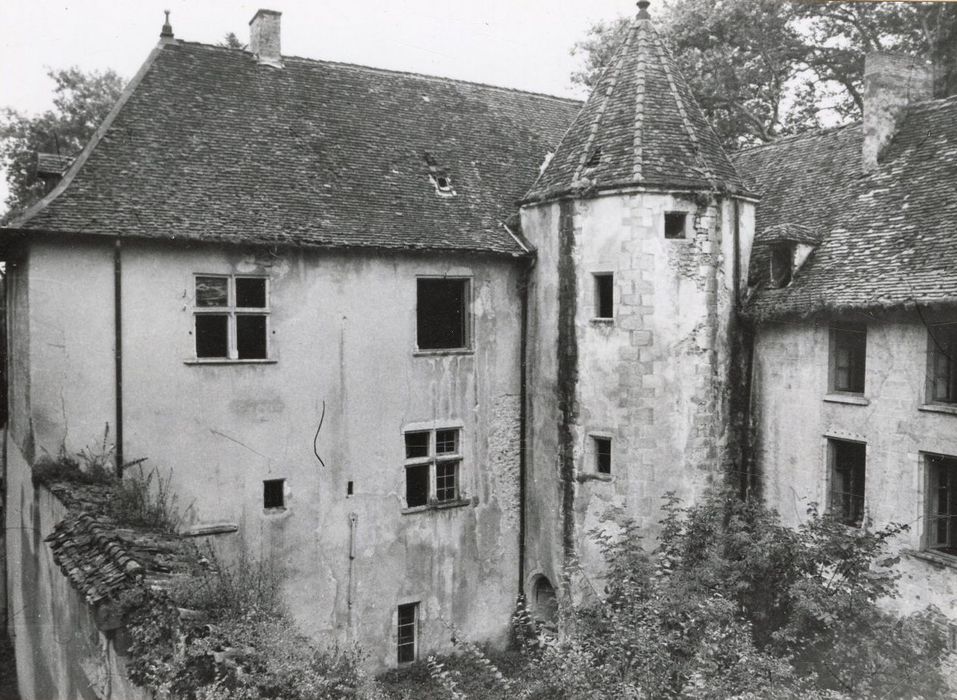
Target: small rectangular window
[407,633]
[675,224]
[942,504]
[221,331]
[847,479]
[442,314]
[416,445]
[782,258]
[274,493]
[604,295]
[349,489]
[942,363]
[848,358]
[417,485]
[602,455]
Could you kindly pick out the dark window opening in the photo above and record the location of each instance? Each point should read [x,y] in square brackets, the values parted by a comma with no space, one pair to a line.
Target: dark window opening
[274,493]
[848,467]
[251,337]
[848,358]
[544,601]
[442,314]
[212,335]
[781,257]
[416,445]
[605,295]
[446,481]
[406,638]
[349,488]
[602,455]
[942,363]
[675,224]
[594,160]
[417,485]
[942,511]
[251,292]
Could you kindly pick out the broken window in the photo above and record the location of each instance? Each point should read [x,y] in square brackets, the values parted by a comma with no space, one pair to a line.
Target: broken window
[432,460]
[442,313]
[602,447]
[942,363]
[231,317]
[847,475]
[274,495]
[781,258]
[407,633]
[848,358]
[604,295]
[942,504]
[675,224]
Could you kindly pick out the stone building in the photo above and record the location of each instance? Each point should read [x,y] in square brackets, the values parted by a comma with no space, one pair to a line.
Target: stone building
[412,338]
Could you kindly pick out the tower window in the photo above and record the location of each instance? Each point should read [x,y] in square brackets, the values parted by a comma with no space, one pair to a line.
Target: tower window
[675,224]
[602,454]
[407,637]
[274,493]
[604,295]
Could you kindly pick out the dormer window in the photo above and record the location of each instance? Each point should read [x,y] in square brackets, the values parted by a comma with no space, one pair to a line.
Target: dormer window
[781,261]
[439,177]
[594,160]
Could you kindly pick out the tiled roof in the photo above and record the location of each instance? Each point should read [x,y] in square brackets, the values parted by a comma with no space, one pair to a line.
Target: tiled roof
[52,164]
[212,146]
[641,125]
[889,237]
[102,559]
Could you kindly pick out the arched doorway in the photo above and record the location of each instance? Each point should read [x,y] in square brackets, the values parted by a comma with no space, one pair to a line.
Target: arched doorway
[544,603]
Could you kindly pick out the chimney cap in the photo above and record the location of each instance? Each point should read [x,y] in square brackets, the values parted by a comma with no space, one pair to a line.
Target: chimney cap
[643,9]
[167,31]
[263,11]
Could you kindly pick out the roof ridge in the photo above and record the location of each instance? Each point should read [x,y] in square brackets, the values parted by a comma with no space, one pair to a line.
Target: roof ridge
[393,71]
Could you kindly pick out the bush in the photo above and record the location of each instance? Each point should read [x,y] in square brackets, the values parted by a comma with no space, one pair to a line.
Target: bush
[145,499]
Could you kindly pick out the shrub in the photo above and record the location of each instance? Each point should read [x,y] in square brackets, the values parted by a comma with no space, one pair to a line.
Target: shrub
[145,499]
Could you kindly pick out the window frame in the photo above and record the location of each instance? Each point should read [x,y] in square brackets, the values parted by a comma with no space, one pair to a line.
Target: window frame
[934,354]
[684,225]
[413,626]
[597,280]
[838,334]
[468,327]
[232,313]
[931,505]
[432,460]
[831,493]
[597,441]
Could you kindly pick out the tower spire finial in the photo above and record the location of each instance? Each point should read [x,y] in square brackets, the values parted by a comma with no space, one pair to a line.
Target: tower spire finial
[167,32]
[643,9]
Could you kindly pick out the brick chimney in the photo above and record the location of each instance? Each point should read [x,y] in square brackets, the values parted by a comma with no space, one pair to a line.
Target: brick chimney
[264,37]
[891,82]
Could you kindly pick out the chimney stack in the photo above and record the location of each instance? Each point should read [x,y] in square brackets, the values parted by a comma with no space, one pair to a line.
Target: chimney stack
[891,82]
[264,37]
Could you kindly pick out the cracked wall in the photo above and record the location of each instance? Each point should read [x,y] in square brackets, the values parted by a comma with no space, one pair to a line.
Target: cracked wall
[342,331]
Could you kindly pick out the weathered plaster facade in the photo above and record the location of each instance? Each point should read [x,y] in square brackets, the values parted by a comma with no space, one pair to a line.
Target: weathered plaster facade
[654,378]
[795,416]
[223,428]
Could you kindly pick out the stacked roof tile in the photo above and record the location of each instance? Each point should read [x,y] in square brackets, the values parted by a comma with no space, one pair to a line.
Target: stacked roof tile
[640,126]
[888,236]
[211,146]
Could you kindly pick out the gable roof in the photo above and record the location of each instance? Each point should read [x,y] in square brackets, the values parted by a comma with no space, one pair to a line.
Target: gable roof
[209,145]
[640,126]
[889,237]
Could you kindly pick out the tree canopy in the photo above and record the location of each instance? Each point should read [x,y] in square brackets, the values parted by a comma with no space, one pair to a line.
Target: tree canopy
[81,101]
[761,69]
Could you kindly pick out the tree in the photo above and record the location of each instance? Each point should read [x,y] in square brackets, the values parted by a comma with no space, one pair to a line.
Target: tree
[761,69]
[81,101]
[231,41]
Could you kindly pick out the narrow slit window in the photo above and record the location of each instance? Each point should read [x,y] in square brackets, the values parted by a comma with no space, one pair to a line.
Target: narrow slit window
[349,490]
[442,314]
[602,455]
[274,493]
[848,464]
[407,637]
[675,224]
[604,295]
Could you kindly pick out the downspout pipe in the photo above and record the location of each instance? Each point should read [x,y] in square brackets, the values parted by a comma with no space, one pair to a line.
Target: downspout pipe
[118,349]
[524,283]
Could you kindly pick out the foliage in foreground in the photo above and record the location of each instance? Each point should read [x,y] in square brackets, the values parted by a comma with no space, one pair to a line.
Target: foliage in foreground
[731,604]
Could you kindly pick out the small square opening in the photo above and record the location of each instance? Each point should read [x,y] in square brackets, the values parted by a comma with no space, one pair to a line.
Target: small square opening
[604,295]
[675,224]
[274,495]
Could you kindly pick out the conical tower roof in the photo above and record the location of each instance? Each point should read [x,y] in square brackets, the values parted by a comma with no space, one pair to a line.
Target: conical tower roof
[640,126]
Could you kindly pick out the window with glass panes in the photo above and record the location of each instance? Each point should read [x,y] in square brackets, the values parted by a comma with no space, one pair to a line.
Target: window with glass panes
[432,461]
[231,317]
[942,364]
[848,466]
[848,358]
[407,633]
[942,504]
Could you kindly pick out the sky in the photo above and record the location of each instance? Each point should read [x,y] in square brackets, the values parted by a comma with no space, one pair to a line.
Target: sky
[523,44]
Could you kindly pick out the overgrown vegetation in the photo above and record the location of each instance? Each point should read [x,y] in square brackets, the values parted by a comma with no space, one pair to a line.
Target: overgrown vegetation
[730,604]
[241,643]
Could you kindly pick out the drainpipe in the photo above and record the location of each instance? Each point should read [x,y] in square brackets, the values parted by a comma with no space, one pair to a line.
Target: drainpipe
[523,420]
[350,592]
[118,349]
